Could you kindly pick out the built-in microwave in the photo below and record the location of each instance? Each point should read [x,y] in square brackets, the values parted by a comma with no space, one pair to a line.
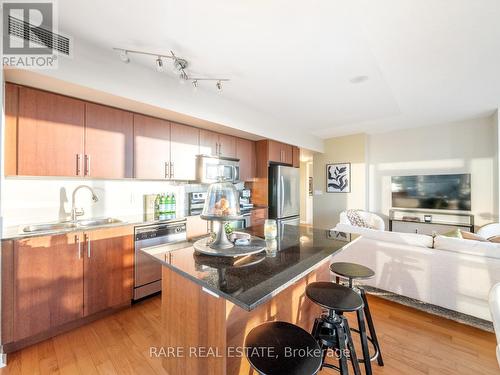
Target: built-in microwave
[212,169]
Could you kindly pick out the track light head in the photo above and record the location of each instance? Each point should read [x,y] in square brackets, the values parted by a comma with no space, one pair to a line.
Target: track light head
[124,56]
[183,76]
[159,64]
[195,83]
[219,86]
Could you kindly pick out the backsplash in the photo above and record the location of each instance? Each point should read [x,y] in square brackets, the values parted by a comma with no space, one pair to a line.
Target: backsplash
[32,200]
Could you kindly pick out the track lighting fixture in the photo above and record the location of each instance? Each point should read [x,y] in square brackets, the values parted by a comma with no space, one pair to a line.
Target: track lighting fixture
[124,56]
[179,66]
[159,64]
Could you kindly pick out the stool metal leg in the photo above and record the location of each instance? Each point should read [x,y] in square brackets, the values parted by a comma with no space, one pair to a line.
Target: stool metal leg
[371,327]
[364,342]
[350,345]
[341,346]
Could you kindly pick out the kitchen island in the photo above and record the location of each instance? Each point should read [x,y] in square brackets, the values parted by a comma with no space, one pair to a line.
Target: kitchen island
[209,304]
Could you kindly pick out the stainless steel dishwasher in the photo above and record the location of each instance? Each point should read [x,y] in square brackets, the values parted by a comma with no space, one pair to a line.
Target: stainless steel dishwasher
[147,275]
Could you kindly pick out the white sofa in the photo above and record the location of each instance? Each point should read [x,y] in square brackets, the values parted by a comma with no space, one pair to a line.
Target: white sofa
[452,273]
[495,313]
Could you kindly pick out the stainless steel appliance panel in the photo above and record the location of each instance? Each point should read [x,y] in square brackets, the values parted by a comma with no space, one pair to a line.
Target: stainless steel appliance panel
[284,191]
[147,272]
[211,169]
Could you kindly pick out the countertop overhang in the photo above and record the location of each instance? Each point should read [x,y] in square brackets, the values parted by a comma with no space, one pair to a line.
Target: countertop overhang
[251,281]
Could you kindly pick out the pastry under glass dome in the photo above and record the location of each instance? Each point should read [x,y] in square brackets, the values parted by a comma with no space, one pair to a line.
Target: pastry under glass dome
[222,204]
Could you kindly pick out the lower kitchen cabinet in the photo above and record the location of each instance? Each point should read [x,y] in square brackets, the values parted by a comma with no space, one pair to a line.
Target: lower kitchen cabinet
[53,282]
[258,216]
[48,284]
[108,269]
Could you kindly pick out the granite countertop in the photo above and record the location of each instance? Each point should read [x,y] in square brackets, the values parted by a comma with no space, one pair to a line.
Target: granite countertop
[253,280]
[15,232]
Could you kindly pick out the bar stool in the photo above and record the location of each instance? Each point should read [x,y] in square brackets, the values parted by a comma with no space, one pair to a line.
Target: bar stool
[281,348]
[331,330]
[351,272]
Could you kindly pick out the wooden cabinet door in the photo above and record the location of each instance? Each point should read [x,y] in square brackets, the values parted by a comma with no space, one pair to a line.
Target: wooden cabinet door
[151,148]
[48,283]
[275,151]
[196,227]
[296,157]
[287,153]
[227,146]
[108,142]
[50,134]
[11,108]
[245,151]
[108,268]
[209,143]
[184,146]
[258,216]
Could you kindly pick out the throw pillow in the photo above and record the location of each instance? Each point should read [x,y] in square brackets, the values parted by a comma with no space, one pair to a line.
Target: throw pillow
[472,236]
[456,233]
[355,219]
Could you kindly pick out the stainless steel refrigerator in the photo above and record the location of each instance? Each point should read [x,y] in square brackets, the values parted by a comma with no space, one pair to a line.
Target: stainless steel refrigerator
[284,194]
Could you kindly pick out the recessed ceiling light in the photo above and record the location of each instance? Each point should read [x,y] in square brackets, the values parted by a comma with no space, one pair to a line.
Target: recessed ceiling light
[358,79]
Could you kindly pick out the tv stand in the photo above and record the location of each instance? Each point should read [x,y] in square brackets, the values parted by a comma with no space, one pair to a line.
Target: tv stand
[413,221]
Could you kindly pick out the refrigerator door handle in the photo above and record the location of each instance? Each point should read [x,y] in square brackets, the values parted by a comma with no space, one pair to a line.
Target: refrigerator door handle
[282,187]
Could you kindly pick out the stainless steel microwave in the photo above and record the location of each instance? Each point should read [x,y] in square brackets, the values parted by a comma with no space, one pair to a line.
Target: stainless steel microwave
[212,169]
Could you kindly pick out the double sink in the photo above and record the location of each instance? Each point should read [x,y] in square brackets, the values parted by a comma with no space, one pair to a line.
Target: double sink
[68,225]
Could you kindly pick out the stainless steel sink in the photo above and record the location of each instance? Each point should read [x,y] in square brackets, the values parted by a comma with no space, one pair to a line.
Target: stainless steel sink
[67,225]
[49,227]
[97,222]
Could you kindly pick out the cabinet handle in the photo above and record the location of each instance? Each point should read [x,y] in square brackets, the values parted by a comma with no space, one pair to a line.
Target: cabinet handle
[78,164]
[79,246]
[167,169]
[220,149]
[87,165]
[89,250]
[171,169]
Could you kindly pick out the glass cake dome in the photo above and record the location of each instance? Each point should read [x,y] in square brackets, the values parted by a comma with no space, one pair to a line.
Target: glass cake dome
[222,203]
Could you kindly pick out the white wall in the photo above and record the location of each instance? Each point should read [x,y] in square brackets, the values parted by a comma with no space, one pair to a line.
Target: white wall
[327,206]
[464,147]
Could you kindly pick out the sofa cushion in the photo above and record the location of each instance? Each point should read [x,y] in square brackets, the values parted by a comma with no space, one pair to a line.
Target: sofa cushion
[480,248]
[413,239]
[472,236]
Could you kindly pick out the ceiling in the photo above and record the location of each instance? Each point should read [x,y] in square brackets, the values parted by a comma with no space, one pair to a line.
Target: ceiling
[421,62]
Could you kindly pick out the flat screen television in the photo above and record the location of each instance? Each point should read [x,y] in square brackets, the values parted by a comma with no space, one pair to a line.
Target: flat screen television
[441,192]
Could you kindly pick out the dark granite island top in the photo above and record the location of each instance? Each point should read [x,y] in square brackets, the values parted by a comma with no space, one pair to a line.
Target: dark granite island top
[213,302]
[252,280]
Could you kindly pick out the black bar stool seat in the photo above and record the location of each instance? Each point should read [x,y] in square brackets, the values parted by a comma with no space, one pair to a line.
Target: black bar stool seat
[331,329]
[281,348]
[334,296]
[351,272]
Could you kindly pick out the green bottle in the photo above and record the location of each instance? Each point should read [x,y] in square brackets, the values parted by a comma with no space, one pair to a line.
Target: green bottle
[168,204]
[172,205]
[157,205]
[162,204]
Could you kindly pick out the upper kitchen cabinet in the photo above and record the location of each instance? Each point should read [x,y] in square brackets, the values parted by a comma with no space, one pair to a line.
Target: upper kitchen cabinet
[184,147]
[216,144]
[151,148]
[227,146]
[108,142]
[209,143]
[245,151]
[280,152]
[296,156]
[50,134]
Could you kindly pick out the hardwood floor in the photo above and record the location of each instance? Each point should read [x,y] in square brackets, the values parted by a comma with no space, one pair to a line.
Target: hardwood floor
[413,342]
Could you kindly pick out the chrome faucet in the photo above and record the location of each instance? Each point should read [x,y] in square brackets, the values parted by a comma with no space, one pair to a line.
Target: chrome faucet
[75,212]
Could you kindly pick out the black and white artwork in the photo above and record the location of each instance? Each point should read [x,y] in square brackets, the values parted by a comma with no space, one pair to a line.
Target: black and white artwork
[338,178]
